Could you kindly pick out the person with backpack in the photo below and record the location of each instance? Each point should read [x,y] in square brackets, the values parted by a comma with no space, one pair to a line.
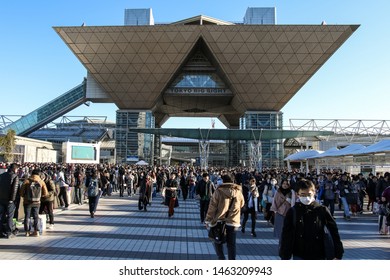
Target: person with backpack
[32,190]
[94,186]
[9,183]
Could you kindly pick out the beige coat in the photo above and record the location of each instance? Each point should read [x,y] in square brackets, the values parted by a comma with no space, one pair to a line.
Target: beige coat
[33,178]
[219,205]
[281,204]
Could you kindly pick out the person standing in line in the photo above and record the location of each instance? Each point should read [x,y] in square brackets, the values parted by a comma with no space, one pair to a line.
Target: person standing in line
[32,200]
[78,180]
[251,196]
[94,186]
[303,229]
[371,185]
[284,199]
[225,206]
[47,202]
[204,191]
[9,184]
[63,195]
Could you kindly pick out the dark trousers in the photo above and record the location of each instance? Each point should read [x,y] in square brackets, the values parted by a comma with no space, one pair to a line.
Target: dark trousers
[7,211]
[78,195]
[230,242]
[184,190]
[93,202]
[330,203]
[63,196]
[29,210]
[246,213]
[204,206]
[47,207]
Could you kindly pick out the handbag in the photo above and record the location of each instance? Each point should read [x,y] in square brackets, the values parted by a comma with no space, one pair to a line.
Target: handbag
[217,233]
[384,209]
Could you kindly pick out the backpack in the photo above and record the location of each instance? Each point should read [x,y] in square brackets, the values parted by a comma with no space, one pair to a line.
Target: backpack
[93,188]
[34,192]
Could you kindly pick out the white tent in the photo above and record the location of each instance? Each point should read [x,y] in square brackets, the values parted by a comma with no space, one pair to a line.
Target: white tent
[380,147]
[303,155]
[142,162]
[327,153]
[334,152]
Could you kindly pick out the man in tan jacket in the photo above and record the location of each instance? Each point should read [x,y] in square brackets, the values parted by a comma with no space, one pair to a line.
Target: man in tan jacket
[32,190]
[225,206]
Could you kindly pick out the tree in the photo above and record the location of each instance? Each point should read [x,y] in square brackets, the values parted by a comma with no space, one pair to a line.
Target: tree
[7,145]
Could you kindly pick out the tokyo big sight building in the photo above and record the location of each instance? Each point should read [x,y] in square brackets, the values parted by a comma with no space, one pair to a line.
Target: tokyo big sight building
[241,73]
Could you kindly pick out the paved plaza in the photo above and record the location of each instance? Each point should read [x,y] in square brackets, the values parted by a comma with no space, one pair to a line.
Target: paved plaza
[120,231]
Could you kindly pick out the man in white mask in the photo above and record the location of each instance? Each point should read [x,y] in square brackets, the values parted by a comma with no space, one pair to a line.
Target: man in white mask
[303,230]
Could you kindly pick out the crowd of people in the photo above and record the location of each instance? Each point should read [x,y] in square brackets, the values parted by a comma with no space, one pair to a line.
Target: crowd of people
[230,195]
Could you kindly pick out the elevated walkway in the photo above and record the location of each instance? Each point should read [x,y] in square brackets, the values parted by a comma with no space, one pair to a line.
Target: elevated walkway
[50,111]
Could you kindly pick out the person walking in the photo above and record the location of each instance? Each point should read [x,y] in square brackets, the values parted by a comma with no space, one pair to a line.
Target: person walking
[94,191]
[204,191]
[225,206]
[268,197]
[145,188]
[251,196]
[328,190]
[32,191]
[171,194]
[303,230]
[9,184]
[345,190]
[284,199]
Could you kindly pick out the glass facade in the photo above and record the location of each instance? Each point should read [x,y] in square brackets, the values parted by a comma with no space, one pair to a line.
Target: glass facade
[260,16]
[132,146]
[271,150]
[198,80]
[50,111]
[139,17]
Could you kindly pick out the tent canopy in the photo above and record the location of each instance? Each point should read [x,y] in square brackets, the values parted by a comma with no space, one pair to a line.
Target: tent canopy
[303,155]
[380,147]
[141,162]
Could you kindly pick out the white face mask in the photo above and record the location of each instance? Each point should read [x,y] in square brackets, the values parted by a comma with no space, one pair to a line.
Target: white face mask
[306,199]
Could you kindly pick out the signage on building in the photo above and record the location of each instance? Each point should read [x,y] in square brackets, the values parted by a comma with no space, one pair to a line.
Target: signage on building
[199,91]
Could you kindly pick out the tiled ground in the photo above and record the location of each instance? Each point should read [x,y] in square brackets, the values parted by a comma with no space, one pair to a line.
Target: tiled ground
[120,231]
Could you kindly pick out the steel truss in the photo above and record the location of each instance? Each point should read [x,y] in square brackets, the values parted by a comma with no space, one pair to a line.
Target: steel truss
[346,131]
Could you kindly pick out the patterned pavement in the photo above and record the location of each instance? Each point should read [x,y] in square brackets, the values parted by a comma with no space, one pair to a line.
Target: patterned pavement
[120,231]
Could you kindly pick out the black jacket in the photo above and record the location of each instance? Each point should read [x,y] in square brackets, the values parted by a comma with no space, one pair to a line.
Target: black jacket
[305,238]
[202,187]
[9,184]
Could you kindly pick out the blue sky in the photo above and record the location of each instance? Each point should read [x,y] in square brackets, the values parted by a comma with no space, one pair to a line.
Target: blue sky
[36,65]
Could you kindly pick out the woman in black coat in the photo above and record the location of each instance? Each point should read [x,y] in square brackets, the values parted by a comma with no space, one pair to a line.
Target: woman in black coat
[303,230]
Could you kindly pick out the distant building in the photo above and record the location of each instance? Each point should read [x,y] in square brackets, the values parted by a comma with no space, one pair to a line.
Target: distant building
[139,17]
[260,16]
